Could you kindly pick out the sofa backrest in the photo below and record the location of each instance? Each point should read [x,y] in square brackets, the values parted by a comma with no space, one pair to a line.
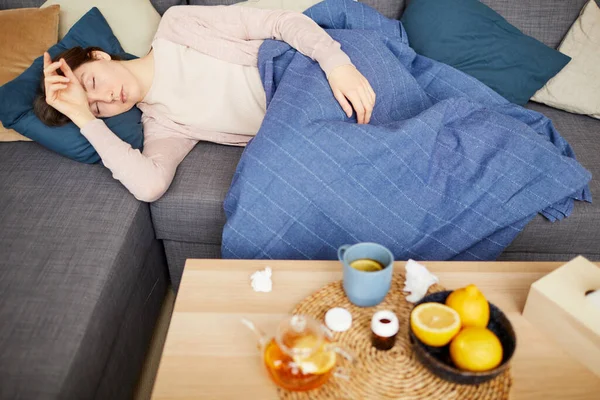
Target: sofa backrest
[160,5]
[6,4]
[545,20]
[389,8]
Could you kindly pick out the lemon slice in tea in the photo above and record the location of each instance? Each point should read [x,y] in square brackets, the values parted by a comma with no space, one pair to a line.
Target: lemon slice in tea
[366,265]
[320,361]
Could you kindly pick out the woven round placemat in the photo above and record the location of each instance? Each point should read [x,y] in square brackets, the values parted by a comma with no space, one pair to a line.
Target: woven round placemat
[392,374]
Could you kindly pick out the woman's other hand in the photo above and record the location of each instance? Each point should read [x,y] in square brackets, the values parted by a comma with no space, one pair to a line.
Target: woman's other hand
[65,93]
[350,86]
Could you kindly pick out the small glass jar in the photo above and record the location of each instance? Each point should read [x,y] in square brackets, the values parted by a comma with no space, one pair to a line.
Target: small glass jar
[384,327]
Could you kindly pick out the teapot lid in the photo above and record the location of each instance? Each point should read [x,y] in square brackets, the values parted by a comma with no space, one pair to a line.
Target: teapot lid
[300,335]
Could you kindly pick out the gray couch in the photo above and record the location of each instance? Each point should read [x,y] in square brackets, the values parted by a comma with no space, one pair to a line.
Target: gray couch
[82,275]
[189,218]
[82,265]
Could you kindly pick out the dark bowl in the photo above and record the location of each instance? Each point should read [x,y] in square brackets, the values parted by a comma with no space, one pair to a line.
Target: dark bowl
[437,359]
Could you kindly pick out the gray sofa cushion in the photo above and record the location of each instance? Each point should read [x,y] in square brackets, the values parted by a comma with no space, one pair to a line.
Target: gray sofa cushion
[192,208]
[160,5]
[528,256]
[128,354]
[72,245]
[579,233]
[546,20]
[178,252]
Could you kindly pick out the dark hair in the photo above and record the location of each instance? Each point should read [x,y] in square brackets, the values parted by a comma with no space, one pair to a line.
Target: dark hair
[74,57]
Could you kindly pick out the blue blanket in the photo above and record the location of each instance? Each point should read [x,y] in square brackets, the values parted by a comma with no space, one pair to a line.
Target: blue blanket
[447,168]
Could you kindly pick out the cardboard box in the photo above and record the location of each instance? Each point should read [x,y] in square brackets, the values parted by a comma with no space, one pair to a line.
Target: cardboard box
[557,305]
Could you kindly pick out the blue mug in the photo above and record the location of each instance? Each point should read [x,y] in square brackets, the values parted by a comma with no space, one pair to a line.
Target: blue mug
[366,289]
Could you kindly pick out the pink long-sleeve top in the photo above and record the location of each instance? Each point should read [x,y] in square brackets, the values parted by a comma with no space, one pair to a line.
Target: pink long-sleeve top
[227,35]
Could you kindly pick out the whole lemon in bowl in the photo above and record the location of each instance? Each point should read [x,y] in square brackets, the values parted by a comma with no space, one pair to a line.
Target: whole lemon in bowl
[476,349]
[471,305]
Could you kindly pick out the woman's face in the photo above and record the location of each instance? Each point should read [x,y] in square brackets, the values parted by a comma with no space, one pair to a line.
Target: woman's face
[111,88]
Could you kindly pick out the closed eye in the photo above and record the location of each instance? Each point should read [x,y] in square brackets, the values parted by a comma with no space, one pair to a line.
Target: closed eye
[93,82]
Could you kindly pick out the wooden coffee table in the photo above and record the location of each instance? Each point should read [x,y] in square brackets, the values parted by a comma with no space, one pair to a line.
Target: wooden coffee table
[209,354]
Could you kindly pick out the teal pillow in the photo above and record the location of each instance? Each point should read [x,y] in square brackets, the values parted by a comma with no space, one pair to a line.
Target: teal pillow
[476,40]
[16,97]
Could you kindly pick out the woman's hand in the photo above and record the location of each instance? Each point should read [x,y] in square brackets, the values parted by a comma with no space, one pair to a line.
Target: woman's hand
[350,85]
[65,93]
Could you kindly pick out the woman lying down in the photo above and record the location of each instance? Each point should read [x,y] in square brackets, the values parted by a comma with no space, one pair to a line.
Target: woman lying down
[200,81]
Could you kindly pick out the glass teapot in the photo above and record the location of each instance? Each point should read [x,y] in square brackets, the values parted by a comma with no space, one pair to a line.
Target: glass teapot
[302,355]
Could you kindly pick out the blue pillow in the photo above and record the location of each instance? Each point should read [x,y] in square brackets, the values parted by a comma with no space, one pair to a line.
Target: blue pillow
[473,38]
[17,96]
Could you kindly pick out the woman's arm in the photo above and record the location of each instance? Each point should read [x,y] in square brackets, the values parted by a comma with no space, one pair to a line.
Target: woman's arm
[234,34]
[148,174]
[195,26]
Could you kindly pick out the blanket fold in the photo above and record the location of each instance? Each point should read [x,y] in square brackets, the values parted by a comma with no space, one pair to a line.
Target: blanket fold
[447,168]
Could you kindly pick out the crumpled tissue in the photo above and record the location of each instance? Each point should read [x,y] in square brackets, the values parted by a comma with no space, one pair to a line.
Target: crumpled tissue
[261,280]
[418,281]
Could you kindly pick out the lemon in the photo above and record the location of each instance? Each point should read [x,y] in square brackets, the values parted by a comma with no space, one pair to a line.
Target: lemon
[319,361]
[366,265]
[476,349]
[434,324]
[471,305]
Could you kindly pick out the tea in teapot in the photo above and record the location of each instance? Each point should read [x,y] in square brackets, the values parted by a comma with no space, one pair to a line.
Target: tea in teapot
[302,355]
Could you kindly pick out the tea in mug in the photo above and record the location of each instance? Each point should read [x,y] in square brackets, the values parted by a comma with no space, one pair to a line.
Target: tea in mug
[367,265]
[368,269]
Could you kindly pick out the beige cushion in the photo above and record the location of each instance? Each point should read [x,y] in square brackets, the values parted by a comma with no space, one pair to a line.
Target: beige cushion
[134,22]
[10,135]
[577,87]
[292,5]
[25,34]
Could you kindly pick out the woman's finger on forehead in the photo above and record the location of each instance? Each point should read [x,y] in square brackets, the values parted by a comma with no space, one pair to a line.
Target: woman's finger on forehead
[57,78]
[66,69]
[52,67]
